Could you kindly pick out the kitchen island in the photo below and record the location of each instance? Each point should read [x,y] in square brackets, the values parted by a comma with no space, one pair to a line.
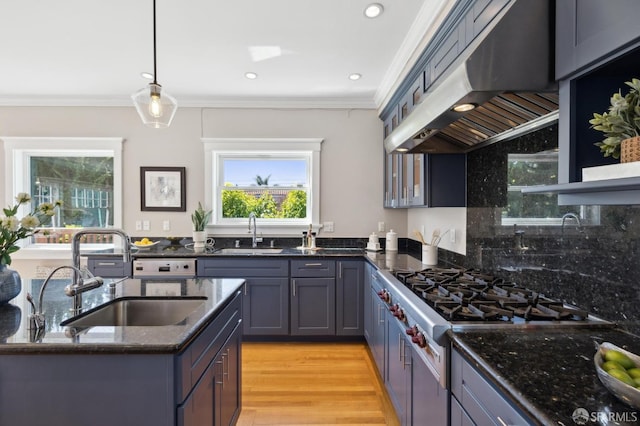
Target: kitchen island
[126,375]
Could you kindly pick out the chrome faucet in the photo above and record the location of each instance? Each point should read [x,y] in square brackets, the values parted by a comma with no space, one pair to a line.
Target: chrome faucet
[75,255]
[571,216]
[79,285]
[255,240]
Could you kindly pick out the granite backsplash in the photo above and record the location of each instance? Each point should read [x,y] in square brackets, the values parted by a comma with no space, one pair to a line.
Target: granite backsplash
[594,264]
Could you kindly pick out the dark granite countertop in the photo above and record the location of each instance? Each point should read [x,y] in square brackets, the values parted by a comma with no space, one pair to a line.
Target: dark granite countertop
[15,336]
[549,372]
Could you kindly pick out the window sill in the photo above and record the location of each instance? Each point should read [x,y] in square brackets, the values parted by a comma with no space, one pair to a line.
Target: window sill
[56,251]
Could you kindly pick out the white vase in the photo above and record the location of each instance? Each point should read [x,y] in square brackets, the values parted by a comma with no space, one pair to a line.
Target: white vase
[199,238]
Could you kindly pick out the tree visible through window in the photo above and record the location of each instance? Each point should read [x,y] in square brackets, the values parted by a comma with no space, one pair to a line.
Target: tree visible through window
[272,187]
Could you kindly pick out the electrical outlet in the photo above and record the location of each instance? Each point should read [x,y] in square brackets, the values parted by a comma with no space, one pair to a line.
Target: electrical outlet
[328,227]
[380,226]
[452,235]
[166,225]
[145,225]
[138,225]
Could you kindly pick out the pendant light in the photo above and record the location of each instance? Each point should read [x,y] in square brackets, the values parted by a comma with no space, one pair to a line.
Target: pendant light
[155,106]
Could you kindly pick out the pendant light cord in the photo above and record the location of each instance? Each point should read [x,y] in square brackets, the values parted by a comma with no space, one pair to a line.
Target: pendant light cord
[155,74]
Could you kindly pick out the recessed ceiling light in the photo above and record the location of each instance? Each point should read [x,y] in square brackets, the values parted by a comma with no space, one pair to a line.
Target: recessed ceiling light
[464,107]
[373,10]
[355,76]
[251,75]
[146,75]
[402,149]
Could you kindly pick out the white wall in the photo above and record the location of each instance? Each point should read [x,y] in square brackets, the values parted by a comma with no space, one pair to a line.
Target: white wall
[351,161]
[453,219]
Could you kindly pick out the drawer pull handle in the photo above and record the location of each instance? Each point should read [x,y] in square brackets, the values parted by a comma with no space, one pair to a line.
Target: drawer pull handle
[502,422]
[107,263]
[313,264]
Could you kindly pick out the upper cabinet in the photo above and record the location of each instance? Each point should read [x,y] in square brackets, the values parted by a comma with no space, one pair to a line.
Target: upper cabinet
[425,180]
[597,50]
[590,30]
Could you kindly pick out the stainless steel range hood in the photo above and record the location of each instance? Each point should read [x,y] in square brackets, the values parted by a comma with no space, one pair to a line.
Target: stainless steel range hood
[506,71]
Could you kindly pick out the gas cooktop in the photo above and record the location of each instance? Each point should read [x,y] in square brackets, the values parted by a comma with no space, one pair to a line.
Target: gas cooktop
[460,295]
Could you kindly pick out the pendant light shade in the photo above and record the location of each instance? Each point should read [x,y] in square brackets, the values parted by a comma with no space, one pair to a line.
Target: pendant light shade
[155,106]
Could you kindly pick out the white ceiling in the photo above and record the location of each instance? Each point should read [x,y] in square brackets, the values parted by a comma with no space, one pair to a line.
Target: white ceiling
[90,52]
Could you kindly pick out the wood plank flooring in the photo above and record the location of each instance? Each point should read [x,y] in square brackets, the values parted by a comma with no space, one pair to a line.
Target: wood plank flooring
[312,383]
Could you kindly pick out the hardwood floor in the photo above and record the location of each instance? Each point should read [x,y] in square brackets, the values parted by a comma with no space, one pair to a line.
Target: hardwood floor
[312,383]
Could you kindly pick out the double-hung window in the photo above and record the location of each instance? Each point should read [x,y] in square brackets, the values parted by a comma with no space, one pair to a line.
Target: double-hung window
[84,173]
[278,180]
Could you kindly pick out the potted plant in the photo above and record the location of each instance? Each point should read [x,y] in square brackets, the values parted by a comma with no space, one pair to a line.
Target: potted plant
[200,218]
[621,125]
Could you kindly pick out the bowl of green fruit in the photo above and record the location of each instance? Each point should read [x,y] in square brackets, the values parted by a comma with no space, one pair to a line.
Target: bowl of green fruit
[619,372]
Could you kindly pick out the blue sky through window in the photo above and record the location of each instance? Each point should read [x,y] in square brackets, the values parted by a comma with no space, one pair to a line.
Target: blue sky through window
[281,172]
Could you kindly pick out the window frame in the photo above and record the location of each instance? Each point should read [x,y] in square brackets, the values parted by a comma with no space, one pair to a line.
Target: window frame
[216,149]
[17,153]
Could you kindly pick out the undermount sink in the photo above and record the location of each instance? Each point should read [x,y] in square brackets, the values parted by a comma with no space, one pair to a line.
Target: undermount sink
[257,250]
[139,311]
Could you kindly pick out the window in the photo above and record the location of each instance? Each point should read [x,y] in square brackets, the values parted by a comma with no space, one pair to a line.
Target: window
[85,173]
[538,209]
[276,179]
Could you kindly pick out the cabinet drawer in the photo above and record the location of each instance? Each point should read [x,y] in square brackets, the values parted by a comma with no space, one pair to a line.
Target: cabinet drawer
[109,267]
[313,268]
[483,403]
[242,268]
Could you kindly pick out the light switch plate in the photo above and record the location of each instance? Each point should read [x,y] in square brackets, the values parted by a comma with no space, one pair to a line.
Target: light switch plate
[145,225]
[328,227]
[166,225]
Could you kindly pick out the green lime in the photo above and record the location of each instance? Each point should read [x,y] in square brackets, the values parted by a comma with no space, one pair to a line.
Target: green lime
[634,372]
[637,380]
[611,365]
[622,376]
[619,357]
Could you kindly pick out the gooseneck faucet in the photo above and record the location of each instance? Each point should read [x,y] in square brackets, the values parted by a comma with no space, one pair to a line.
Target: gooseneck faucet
[75,289]
[75,255]
[255,240]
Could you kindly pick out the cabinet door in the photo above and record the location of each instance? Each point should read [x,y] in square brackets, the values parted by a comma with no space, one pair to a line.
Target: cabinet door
[446,180]
[350,298]
[266,306]
[368,304]
[198,409]
[416,171]
[228,379]
[458,416]
[588,30]
[398,370]
[392,180]
[313,306]
[379,332]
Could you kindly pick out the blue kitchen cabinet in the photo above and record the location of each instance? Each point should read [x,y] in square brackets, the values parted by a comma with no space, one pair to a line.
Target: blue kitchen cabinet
[398,373]
[474,398]
[350,298]
[266,291]
[425,180]
[313,297]
[376,332]
[109,266]
[589,30]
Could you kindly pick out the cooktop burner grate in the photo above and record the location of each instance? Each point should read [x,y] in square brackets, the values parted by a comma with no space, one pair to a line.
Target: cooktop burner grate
[469,295]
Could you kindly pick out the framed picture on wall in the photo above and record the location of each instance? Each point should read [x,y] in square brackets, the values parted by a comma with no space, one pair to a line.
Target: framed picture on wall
[163,189]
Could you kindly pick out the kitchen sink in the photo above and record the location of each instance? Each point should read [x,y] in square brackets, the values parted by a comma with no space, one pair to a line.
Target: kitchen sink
[138,311]
[257,250]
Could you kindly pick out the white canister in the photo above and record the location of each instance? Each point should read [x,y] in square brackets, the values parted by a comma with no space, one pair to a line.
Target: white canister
[429,254]
[391,241]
